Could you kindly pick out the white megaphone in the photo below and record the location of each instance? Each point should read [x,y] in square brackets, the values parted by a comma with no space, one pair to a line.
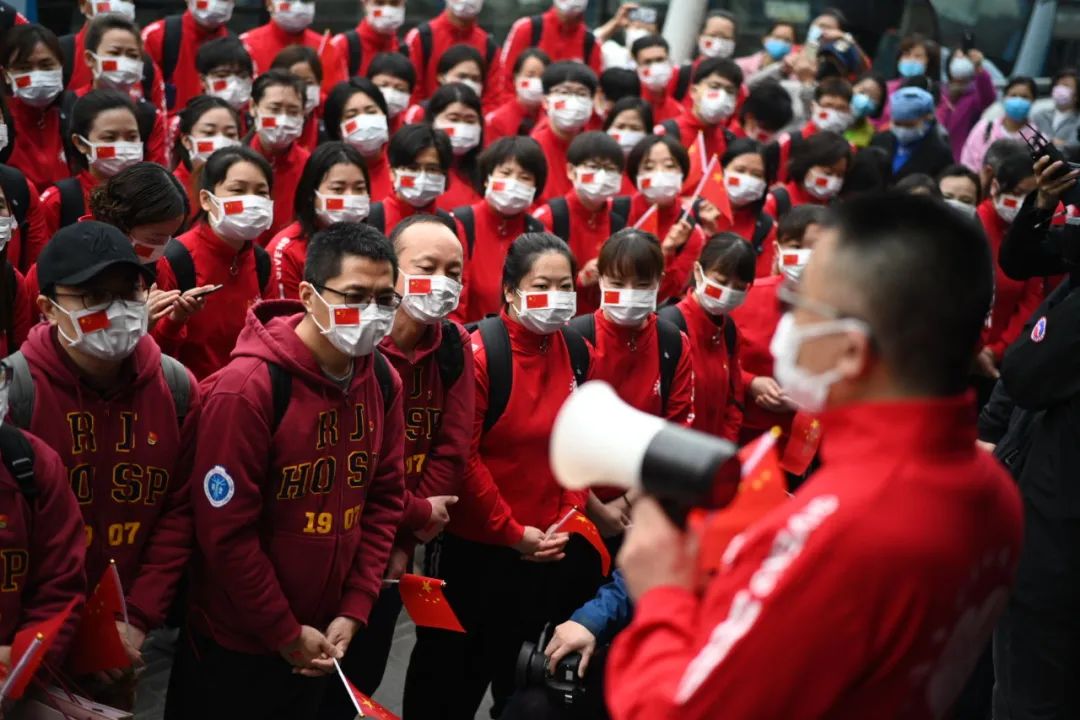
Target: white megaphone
[600,440]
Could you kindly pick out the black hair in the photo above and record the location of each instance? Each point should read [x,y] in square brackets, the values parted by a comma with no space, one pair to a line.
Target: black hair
[643,148]
[724,67]
[458,54]
[276,78]
[564,71]
[1013,171]
[225,51]
[908,258]
[443,98]
[870,171]
[880,82]
[644,43]
[522,149]
[330,246]
[411,140]
[837,14]
[724,14]
[642,108]
[746,146]
[295,54]
[959,170]
[794,223]
[101,24]
[933,52]
[631,252]
[618,83]
[770,104]
[822,148]
[837,87]
[417,219]
[325,156]
[189,118]
[217,166]
[523,253]
[1024,80]
[393,64]
[19,41]
[334,107]
[533,52]
[917,183]
[86,111]
[143,194]
[595,145]
[729,254]
[1003,149]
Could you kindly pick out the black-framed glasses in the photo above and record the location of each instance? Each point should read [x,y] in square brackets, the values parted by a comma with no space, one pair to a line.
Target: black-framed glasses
[388,300]
[96,297]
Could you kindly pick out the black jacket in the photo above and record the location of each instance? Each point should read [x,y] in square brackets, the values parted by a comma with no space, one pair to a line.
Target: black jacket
[931,155]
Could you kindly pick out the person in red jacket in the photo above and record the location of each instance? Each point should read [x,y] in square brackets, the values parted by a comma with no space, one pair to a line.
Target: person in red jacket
[419,158]
[29,238]
[334,188]
[356,114]
[714,89]
[375,33]
[455,110]
[654,69]
[515,170]
[236,209]
[509,498]
[907,534]
[288,25]
[520,116]
[297,498]
[206,125]
[302,62]
[225,71]
[460,64]
[395,77]
[568,91]
[629,121]
[816,174]
[115,409]
[15,316]
[202,22]
[560,32]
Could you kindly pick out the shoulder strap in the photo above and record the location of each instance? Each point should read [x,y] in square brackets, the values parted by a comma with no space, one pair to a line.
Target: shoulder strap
[183,267]
[536,28]
[669,340]
[356,51]
[492,48]
[533,225]
[21,391]
[730,335]
[783,200]
[17,193]
[148,77]
[578,350]
[560,218]
[590,43]
[447,218]
[585,326]
[145,116]
[671,128]
[620,213]
[72,204]
[762,226]
[426,45]
[176,377]
[67,50]
[450,355]
[682,84]
[386,382]
[18,456]
[170,53]
[280,392]
[377,217]
[672,314]
[468,223]
[262,266]
[500,367]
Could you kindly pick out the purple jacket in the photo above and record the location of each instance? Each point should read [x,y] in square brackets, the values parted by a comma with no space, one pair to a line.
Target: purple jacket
[960,115]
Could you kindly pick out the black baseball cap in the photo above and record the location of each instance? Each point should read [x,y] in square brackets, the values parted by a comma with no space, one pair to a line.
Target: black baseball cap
[81,251]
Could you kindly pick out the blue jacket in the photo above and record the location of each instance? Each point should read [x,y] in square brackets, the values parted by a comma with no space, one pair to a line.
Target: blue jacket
[607,613]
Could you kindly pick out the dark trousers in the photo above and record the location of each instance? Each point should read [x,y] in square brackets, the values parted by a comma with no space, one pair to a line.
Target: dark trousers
[502,601]
[209,682]
[1037,642]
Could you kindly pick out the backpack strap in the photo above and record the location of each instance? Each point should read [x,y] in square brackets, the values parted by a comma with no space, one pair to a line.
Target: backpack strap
[670,127]
[149,75]
[146,117]
[176,377]
[377,217]
[383,374]
[500,367]
[18,456]
[183,267]
[578,350]
[536,30]
[280,392]
[620,213]
[669,340]
[450,355]
[560,218]
[72,204]
[533,225]
[731,339]
[762,227]
[672,314]
[589,45]
[492,49]
[468,224]
[262,266]
[170,53]
[67,51]
[585,326]
[21,391]
[427,43]
[682,83]
[17,192]
[356,51]
[783,200]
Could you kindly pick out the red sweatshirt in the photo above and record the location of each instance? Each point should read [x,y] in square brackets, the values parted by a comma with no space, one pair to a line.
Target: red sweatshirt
[81,74]
[459,192]
[192,36]
[372,43]
[798,196]
[560,41]
[509,483]
[444,35]
[678,267]
[1014,300]
[506,120]
[868,595]
[717,376]
[155,148]
[22,251]
[288,252]
[482,292]
[125,457]
[49,206]
[23,315]
[43,550]
[37,147]
[266,41]
[284,538]
[380,184]
[288,166]
[588,232]
[690,126]
[743,224]
[438,425]
[554,148]
[204,342]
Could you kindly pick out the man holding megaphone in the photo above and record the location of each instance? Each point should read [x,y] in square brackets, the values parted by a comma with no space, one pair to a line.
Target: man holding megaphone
[874,590]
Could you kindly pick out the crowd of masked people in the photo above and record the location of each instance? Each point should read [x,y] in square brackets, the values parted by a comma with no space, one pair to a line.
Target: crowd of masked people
[237,275]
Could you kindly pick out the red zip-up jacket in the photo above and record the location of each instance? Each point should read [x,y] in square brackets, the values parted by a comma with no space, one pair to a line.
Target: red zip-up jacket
[294,524]
[459,192]
[560,41]
[204,342]
[42,550]
[155,148]
[1014,300]
[509,483]
[395,210]
[718,378]
[183,174]
[507,119]
[372,42]
[82,76]
[288,166]
[870,594]
[128,468]
[554,148]
[588,232]
[37,148]
[679,267]
[192,36]
[438,425]
[444,35]
[288,252]
[482,280]
[689,127]
[49,205]
[266,41]
[23,248]
[22,315]
[379,183]
[744,221]
[665,107]
[798,196]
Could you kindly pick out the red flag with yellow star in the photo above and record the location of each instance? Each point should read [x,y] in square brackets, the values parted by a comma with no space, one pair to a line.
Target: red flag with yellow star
[29,648]
[365,706]
[584,527]
[424,599]
[97,645]
[649,222]
[698,160]
[802,445]
[712,188]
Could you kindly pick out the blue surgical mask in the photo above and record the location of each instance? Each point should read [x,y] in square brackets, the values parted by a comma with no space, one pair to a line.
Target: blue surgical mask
[777,48]
[863,105]
[813,34]
[911,68]
[909,135]
[1017,108]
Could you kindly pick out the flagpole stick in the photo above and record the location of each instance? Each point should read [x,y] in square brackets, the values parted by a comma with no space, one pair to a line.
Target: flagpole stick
[767,443]
[20,667]
[562,522]
[388,581]
[322,45]
[348,690]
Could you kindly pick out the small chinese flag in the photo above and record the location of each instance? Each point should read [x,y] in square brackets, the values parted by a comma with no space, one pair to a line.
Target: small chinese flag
[233,207]
[523,83]
[143,251]
[821,181]
[35,640]
[102,7]
[105,152]
[419,286]
[423,598]
[350,127]
[284,7]
[346,316]
[219,85]
[335,203]
[1010,202]
[536,301]
[646,183]
[584,527]
[377,11]
[612,297]
[650,221]
[448,130]
[588,177]
[803,443]
[268,121]
[202,4]
[97,645]
[108,65]
[22,81]
[560,104]
[204,146]
[714,291]
[365,706]
[713,190]
[498,185]
[94,322]
[408,181]
[698,162]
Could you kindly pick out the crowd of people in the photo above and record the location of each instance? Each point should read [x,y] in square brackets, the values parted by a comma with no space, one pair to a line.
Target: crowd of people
[234,265]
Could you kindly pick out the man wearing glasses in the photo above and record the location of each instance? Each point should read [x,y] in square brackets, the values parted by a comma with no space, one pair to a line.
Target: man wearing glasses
[297,489]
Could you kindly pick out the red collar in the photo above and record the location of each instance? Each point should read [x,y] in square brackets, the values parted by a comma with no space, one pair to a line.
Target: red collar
[222,252]
[523,339]
[625,335]
[504,227]
[284,39]
[577,208]
[404,209]
[280,161]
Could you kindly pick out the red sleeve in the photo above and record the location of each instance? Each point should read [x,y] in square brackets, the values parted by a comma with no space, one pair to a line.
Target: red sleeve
[496,87]
[680,407]
[155,146]
[168,550]
[517,40]
[153,37]
[1029,303]
[416,57]
[287,270]
[37,232]
[767,258]
[733,413]
[381,515]
[335,69]
[24,313]
[49,211]
[170,335]
[679,266]
[596,60]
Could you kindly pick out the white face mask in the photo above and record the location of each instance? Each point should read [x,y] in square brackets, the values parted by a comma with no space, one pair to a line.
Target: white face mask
[569,113]
[530,91]
[467,9]
[626,307]
[572,7]
[509,196]
[793,262]
[312,96]
[963,207]
[716,105]
[714,47]
[110,158]
[656,76]
[430,298]
[1007,206]
[243,217]
[366,133]
[471,84]
[279,131]
[832,119]
[419,189]
[547,311]
[202,148]
[120,7]
[597,185]
[660,188]
[211,13]
[107,332]
[355,330]
[234,90]
[343,208]
[386,18]
[396,100]
[292,16]
[37,88]
[810,392]
[117,73]
[463,136]
[7,226]
[148,254]
[821,186]
[627,139]
[743,189]
[714,298]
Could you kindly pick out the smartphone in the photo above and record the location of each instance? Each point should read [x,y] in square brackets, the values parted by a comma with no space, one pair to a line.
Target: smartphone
[643,15]
[208,291]
[967,44]
[1041,147]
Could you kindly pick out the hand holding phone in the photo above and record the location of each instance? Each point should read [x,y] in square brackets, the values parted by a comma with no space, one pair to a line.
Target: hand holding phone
[204,291]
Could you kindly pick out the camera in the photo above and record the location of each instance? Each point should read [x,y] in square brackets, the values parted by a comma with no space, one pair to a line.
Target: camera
[565,685]
[1041,147]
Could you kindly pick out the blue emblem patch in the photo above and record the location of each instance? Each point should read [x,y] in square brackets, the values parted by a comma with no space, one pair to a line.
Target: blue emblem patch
[218,486]
[1038,333]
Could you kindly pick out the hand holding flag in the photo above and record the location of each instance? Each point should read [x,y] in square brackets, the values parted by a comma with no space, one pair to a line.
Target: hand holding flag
[365,706]
[584,527]
[712,189]
[28,650]
[803,443]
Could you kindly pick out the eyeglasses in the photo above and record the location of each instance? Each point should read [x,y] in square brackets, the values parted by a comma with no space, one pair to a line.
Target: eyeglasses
[96,297]
[388,300]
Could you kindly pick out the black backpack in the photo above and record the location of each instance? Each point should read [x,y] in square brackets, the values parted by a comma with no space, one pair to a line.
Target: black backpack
[672,314]
[281,387]
[183,266]
[377,218]
[356,51]
[72,205]
[427,44]
[783,200]
[669,342]
[18,456]
[500,367]
[682,84]
[468,222]
[13,181]
[536,28]
[560,216]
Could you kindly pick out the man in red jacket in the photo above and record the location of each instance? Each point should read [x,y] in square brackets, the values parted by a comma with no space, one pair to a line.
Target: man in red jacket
[716,83]
[375,33]
[569,88]
[654,70]
[560,32]
[288,25]
[874,590]
[173,43]
[297,489]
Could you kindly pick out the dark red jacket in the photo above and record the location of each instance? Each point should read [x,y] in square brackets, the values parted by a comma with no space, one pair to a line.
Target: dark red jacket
[588,232]
[444,35]
[554,148]
[23,314]
[717,374]
[266,41]
[23,248]
[509,483]
[679,267]
[665,107]
[482,280]
[37,148]
[192,36]
[689,127]
[125,457]
[506,120]
[395,210]
[560,41]
[294,524]
[1014,300]
[288,166]
[372,43]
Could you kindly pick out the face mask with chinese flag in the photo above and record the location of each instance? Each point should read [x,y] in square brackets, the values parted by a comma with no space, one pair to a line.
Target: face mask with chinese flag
[110,158]
[792,263]
[355,330]
[822,186]
[419,189]
[202,148]
[343,208]
[627,307]
[714,298]
[430,298]
[243,217]
[546,311]
[279,131]
[1007,206]
[107,332]
[509,196]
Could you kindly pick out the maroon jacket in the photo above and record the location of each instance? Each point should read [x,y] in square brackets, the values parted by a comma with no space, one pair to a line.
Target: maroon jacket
[294,524]
[124,459]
